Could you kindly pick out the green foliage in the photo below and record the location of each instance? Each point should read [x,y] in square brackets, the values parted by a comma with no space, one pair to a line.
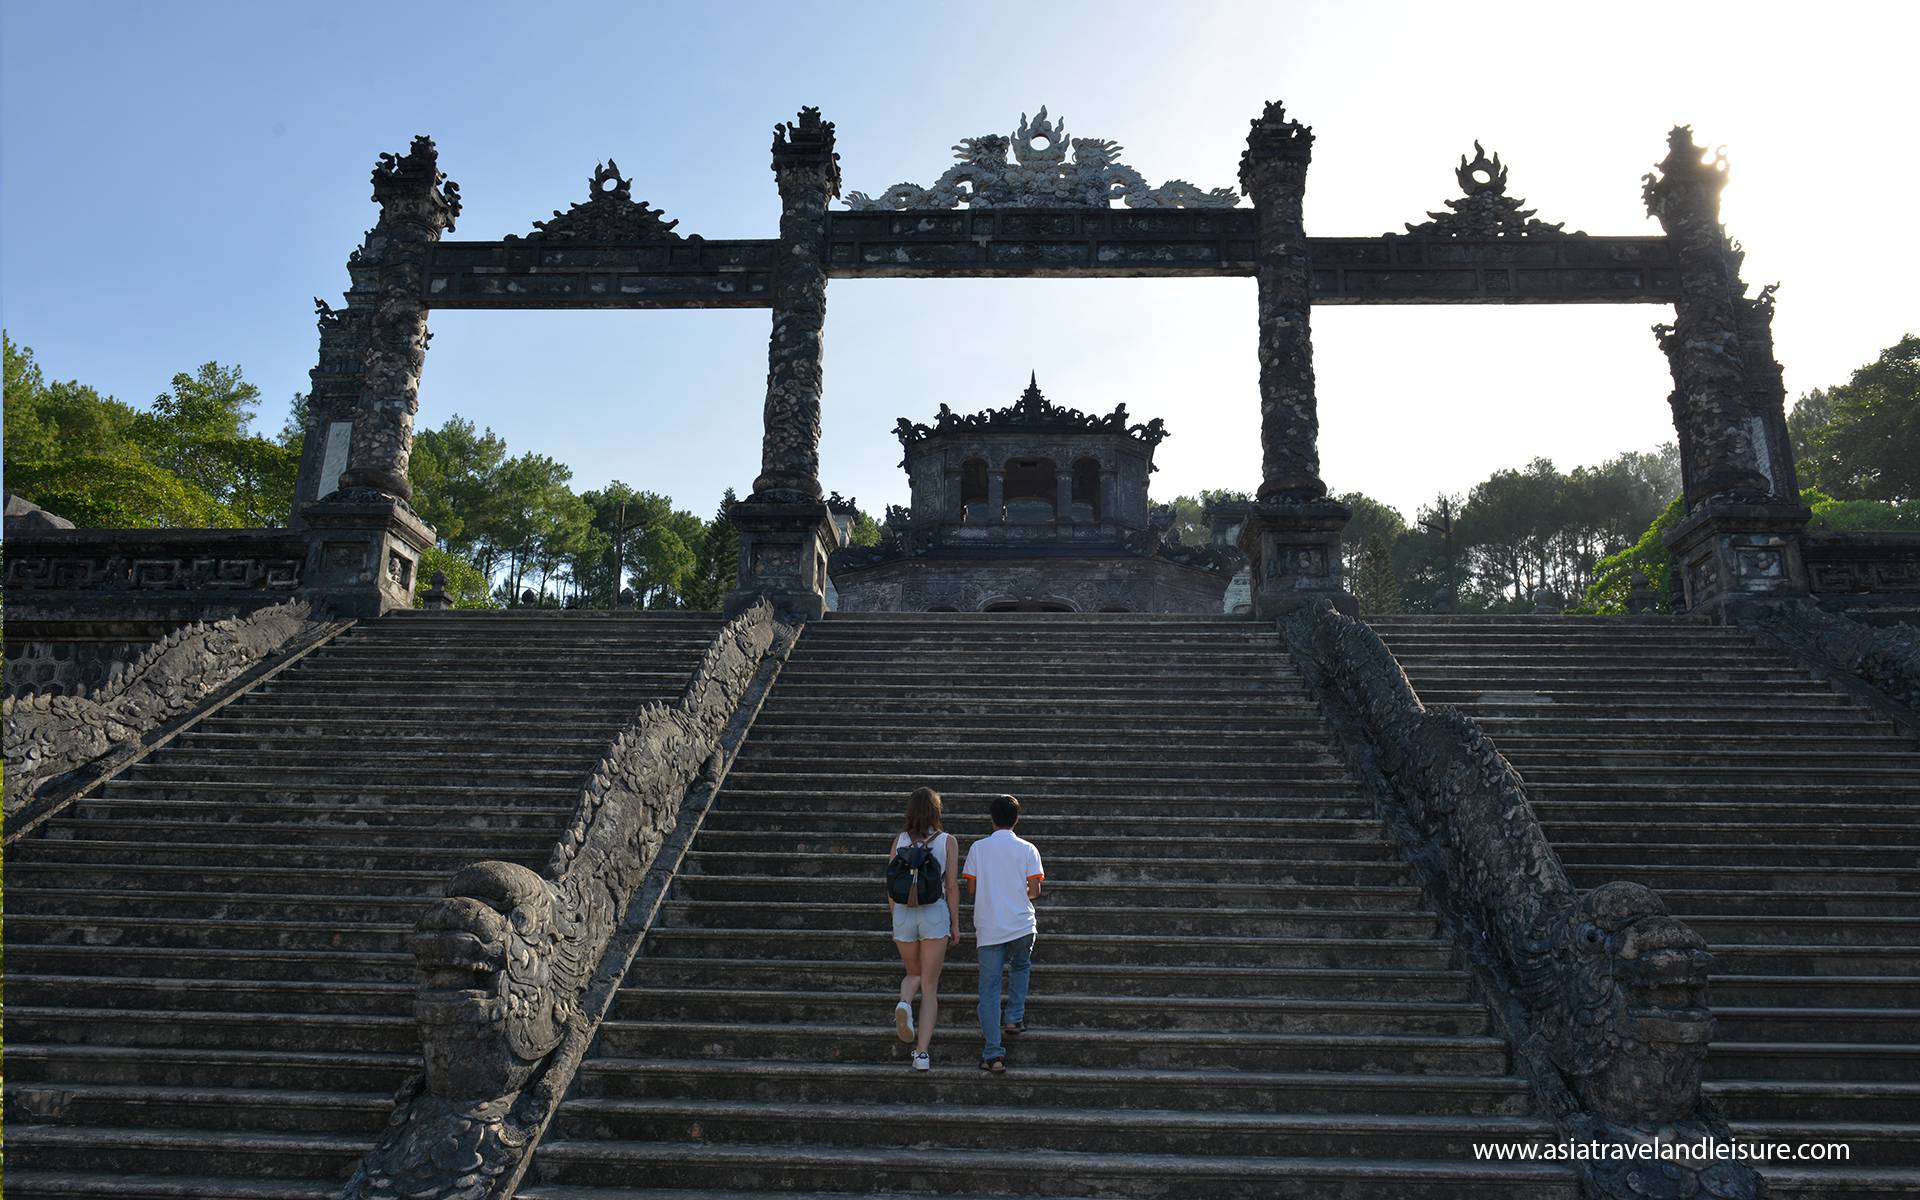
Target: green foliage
[465,583]
[717,566]
[1373,582]
[1372,521]
[188,461]
[1858,516]
[1861,439]
[1613,575]
[865,531]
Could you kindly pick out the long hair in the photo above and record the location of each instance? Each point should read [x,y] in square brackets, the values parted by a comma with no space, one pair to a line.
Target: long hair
[923,814]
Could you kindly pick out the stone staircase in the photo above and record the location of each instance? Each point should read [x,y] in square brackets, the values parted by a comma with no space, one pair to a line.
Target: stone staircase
[1237,992]
[209,989]
[1775,814]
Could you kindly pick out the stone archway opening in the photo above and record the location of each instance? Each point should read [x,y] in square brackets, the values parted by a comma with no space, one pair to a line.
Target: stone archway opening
[1032,488]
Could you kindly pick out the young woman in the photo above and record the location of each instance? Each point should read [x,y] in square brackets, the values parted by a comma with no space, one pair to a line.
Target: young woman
[922,932]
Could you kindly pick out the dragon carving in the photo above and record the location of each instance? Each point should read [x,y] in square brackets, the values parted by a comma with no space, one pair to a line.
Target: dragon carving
[49,737]
[508,960]
[1041,176]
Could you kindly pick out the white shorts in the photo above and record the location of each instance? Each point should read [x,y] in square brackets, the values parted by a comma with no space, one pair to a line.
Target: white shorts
[928,922]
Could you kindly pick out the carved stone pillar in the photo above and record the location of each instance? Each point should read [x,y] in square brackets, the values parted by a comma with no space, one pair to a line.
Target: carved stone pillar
[1063,497]
[1740,541]
[1292,535]
[996,495]
[332,400]
[417,204]
[808,173]
[1273,171]
[785,530]
[1109,495]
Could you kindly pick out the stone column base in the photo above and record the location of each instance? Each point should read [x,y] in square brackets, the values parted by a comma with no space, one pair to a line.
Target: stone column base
[1732,553]
[363,550]
[783,558]
[1293,555]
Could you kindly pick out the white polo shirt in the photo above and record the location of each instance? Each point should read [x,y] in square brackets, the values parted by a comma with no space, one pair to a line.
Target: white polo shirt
[1000,866]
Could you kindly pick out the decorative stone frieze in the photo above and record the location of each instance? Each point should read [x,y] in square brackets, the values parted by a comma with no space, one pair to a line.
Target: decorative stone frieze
[1040,175]
[609,216]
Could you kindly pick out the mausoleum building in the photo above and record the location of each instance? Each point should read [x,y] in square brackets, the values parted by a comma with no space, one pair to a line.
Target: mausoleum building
[1030,508]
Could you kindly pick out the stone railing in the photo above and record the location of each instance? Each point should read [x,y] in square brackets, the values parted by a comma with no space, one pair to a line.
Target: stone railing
[1602,995]
[57,743]
[1879,664]
[518,969]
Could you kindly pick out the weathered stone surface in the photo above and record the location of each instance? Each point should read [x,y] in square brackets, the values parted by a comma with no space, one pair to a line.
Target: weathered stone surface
[1274,172]
[507,958]
[1040,176]
[1604,995]
[1885,658]
[808,172]
[417,204]
[48,737]
[1704,346]
[610,215]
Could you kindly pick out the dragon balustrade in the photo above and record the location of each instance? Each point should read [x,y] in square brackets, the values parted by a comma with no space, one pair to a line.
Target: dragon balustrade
[53,741]
[1602,994]
[518,968]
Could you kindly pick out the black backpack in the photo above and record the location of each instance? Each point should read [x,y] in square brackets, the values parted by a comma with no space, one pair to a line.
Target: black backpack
[911,867]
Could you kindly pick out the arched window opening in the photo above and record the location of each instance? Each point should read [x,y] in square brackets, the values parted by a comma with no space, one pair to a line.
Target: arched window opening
[973,492]
[1032,487]
[1086,489]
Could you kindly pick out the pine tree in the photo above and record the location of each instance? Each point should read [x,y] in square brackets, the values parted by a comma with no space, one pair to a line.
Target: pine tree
[717,567]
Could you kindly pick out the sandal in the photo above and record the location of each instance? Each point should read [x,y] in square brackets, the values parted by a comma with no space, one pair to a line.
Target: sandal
[1015,1029]
[996,1065]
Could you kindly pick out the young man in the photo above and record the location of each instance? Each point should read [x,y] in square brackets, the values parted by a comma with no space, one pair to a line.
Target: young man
[1003,875]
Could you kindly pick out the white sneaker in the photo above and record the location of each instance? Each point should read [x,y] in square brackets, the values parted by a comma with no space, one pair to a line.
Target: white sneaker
[921,1062]
[903,1021]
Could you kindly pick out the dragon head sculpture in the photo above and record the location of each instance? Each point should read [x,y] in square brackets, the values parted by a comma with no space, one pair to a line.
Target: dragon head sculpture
[1631,1026]
[500,979]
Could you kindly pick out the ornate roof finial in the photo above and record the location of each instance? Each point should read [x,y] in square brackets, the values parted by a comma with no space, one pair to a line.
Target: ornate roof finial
[611,214]
[807,141]
[1485,210]
[411,187]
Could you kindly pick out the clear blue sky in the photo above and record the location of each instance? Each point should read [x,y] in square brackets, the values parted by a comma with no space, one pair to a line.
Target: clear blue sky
[181,179]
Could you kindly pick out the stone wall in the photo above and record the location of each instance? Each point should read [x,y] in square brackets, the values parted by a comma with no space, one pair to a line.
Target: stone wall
[1123,583]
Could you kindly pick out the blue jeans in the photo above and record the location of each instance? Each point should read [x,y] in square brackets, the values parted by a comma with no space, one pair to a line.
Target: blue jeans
[1016,958]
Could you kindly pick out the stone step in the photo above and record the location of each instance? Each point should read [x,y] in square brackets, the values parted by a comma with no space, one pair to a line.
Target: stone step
[1112,869]
[1274,851]
[241,785]
[343,910]
[1734,902]
[633,691]
[966,812]
[76,1185]
[120,1149]
[284,933]
[1842,991]
[801,726]
[312,1033]
[224,878]
[535,820]
[1474,695]
[807,1041]
[1815,1100]
[1012,764]
[1305,782]
[1807,1023]
[142,1067]
[860,1124]
[1891,773]
[592,675]
[261,1110]
[1875,1062]
[1838,808]
[1733,836]
[1067,948]
[478,842]
[570,1169]
[1061,894]
[1696,728]
[1802,854]
[367,858]
[292,997]
[1792,878]
[1014,663]
[159,962]
[1138,689]
[722,915]
[877,977]
[1814,961]
[251,737]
